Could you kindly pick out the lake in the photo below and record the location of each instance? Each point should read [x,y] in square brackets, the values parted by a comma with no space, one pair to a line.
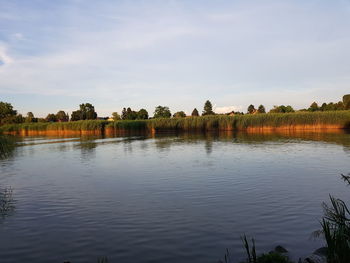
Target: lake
[169,197]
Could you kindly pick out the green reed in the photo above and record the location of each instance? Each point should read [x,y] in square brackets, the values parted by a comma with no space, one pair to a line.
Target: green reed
[202,123]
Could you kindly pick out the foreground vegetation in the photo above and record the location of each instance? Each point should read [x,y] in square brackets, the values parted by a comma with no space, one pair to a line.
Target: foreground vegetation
[298,120]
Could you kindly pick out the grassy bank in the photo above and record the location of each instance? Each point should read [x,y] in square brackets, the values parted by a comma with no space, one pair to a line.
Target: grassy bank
[55,127]
[257,122]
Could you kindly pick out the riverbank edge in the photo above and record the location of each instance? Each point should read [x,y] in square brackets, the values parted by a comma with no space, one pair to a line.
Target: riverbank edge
[301,121]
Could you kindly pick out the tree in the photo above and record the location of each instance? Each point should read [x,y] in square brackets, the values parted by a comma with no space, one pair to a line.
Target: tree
[30,117]
[251,109]
[6,110]
[162,112]
[124,115]
[61,116]
[313,107]
[282,109]
[142,114]
[346,101]
[195,113]
[323,107]
[340,106]
[116,116]
[88,111]
[76,115]
[261,109]
[208,108]
[179,114]
[130,114]
[288,109]
[51,117]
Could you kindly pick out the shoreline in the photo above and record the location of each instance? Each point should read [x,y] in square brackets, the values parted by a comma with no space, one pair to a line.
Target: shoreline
[252,123]
[115,131]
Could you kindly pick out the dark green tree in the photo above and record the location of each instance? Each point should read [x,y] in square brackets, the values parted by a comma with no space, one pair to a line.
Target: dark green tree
[179,114]
[251,109]
[76,115]
[61,116]
[51,117]
[7,113]
[142,114]
[162,112]
[124,114]
[282,109]
[346,101]
[323,107]
[208,108]
[340,106]
[313,107]
[130,114]
[88,111]
[195,113]
[261,109]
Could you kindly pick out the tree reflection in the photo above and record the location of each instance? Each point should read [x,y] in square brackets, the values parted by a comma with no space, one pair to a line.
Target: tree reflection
[7,204]
[7,147]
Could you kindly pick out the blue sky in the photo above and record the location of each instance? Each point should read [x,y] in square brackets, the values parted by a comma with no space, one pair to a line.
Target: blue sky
[57,54]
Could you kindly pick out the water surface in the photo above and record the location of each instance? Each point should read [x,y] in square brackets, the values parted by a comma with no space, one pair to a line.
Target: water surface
[168,198]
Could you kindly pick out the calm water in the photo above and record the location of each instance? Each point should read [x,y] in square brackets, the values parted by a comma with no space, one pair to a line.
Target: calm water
[170,198]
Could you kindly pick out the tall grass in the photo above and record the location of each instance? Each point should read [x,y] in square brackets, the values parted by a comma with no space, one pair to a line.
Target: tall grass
[87,125]
[336,229]
[241,122]
[340,119]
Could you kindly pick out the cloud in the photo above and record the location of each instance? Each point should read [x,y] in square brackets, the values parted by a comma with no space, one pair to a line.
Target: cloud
[18,36]
[177,53]
[5,59]
[227,109]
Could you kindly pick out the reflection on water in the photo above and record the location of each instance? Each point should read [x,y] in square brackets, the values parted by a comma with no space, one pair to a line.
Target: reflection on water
[7,146]
[167,197]
[7,204]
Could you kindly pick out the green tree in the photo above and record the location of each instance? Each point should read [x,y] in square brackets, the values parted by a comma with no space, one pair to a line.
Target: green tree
[282,109]
[288,109]
[323,107]
[51,117]
[340,106]
[261,109]
[30,117]
[61,116]
[124,114]
[208,108]
[7,112]
[251,109]
[162,112]
[142,114]
[179,114]
[76,115]
[130,114]
[313,107]
[346,101]
[88,111]
[195,113]
[116,116]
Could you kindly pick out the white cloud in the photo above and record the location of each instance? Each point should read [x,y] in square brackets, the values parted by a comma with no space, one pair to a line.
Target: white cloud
[179,55]
[227,109]
[18,36]
[5,59]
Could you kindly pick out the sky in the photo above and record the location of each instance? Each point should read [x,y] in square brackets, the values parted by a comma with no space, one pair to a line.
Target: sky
[55,55]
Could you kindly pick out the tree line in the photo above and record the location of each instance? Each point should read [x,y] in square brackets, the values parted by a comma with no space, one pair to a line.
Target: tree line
[86,111]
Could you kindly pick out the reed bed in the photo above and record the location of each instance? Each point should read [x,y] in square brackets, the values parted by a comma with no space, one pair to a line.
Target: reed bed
[270,121]
[88,125]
